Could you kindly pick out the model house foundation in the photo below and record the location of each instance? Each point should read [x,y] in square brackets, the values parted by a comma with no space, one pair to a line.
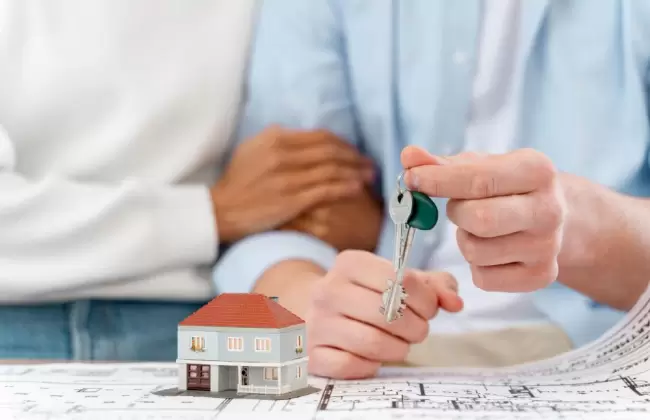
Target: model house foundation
[243,342]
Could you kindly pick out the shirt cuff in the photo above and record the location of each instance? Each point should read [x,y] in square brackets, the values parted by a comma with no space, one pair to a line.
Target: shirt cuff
[244,262]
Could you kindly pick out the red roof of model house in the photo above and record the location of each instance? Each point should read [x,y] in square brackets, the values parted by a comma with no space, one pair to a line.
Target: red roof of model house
[242,310]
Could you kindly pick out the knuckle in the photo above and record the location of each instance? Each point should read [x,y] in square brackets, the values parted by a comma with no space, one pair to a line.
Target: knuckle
[548,213]
[350,257]
[331,192]
[411,279]
[453,207]
[330,171]
[274,138]
[540,165]
[481,279]
[485,220]
[322,296]
[466,245]
[274,159]
[331,151]
[322,134]
[374,343]
[482,186]
[542,275]
[421,332]
[278,184]
[548,247]
[555,246]
[345,365]
[554,213]
[468,155]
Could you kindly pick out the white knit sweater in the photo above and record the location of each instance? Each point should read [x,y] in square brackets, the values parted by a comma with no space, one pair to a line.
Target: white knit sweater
[116,115]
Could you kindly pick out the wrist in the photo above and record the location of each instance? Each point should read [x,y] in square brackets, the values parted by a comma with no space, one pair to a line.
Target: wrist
[226,217]
[603,248]
[585,221]
[291,281]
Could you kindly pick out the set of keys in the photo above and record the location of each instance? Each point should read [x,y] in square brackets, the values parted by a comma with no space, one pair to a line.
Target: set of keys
[409,210]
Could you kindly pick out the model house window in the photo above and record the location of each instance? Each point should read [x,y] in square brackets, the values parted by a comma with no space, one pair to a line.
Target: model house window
[270,374]
[198,344]
[235,344]
[299,341]
[262,344]
[299,372]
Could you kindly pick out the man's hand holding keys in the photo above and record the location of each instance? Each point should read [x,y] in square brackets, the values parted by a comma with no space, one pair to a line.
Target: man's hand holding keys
[510,211]
[347,335]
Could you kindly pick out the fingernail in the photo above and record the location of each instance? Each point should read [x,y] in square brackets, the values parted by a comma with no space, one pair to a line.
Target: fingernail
[452,284]
[411,179]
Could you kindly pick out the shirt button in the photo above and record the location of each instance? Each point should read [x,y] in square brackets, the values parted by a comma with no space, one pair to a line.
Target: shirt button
[459,57]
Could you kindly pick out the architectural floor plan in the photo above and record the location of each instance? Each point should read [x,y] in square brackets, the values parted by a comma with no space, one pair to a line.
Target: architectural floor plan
[609,379]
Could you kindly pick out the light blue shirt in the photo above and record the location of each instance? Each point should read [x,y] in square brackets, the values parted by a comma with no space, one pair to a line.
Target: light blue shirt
[384,74]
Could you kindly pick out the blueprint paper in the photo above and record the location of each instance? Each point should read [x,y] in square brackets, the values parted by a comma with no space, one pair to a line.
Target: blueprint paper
[606,380]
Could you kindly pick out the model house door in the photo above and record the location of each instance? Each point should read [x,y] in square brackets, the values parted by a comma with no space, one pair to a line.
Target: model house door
[244,375]
[198,377]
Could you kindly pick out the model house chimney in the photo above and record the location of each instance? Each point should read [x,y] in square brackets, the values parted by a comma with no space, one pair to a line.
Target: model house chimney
[273,298]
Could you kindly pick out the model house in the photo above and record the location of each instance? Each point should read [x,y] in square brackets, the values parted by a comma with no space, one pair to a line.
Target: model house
[243,342]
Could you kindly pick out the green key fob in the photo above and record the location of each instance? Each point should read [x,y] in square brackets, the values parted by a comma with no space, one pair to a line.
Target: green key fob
[424,215]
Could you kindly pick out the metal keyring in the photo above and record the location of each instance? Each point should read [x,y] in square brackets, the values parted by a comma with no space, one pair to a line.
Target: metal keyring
[400,178]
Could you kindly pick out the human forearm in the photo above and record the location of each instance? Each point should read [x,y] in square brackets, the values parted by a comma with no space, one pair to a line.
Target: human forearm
[59,234]
[606,247]
[272,263]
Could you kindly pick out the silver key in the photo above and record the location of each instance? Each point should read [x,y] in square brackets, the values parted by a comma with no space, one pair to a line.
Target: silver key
[394,298]
[400,208]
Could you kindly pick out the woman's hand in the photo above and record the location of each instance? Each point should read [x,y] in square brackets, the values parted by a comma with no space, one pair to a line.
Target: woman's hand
[279,174]
[351,223]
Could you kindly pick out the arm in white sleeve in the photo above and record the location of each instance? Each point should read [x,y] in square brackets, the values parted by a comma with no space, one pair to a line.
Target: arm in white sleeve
[58,234]
[297,79]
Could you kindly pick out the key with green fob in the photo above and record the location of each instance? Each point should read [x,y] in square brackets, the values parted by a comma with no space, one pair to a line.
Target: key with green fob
[409,210]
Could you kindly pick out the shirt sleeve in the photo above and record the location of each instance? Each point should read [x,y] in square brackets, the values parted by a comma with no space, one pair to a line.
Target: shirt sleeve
[296,79]
[244,262]
[60,234]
